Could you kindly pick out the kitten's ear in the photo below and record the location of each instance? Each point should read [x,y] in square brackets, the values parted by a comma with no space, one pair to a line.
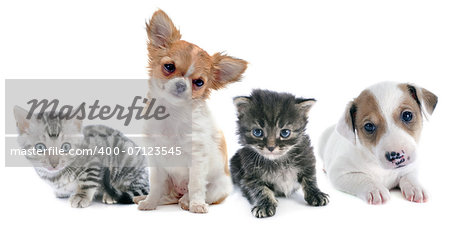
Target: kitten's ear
[22,122]
[304,105]
[73,124]
[161,31]
[424,98]
[346,125]
[227,69]
[241,103]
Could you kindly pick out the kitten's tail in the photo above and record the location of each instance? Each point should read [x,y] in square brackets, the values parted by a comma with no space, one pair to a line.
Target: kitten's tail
[121,197]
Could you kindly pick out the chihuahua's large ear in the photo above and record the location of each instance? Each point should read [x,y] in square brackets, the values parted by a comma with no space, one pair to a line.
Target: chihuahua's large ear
[161,31]
[241,103]
[227,69]
[426,100]
[304,105]
[22,122]
[346,125]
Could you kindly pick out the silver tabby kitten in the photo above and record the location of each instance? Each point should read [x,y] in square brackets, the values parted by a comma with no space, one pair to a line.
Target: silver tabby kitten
[115,178]
[276,157]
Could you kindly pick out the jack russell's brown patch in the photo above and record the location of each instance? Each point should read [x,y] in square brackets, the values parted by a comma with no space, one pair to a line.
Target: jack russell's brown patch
[365,109]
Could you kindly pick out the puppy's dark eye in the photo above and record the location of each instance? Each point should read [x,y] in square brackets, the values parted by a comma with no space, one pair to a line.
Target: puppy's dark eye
[198,82]
[370,128]
[407,116]
[257,132]
[285,133]
[169,67]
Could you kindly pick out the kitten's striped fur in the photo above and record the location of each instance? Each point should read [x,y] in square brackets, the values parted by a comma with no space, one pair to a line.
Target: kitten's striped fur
[115,178]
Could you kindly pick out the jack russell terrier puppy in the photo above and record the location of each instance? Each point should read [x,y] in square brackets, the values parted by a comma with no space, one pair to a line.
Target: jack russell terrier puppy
[182,75]
[373,148]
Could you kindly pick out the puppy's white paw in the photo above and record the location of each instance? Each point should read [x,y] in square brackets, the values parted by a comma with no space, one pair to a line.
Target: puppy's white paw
[145,205]
[184,202]
[377,195]
[198,207]
[414,193]
[138,199]
[78,201]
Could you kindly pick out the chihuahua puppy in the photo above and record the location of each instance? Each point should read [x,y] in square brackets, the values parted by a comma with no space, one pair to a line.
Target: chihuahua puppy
[182,75]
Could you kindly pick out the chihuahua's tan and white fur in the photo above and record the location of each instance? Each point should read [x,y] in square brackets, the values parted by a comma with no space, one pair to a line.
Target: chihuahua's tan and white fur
[182,75]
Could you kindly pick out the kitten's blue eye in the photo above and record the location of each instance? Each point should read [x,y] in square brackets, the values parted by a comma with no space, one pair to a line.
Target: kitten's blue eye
[370,127]
[285,133]
[257,132]
[198,82]
[66,147]
[40,147]
[407,116]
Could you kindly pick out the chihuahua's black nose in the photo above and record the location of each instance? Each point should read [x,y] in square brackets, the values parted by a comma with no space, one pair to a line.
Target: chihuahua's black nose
[271,148]
[181,87]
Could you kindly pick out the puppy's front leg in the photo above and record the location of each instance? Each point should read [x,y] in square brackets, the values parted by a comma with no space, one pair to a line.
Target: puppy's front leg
[411,189]
[158,183]
[363,186]
[197,185]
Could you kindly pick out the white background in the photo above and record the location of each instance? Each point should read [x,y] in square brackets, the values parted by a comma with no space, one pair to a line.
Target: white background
[329,50]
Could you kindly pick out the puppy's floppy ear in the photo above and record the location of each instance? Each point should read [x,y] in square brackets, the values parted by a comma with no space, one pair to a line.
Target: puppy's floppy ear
[227,69]
[161,31]
[304,105]
[426,100]
[23,123]
[346,125]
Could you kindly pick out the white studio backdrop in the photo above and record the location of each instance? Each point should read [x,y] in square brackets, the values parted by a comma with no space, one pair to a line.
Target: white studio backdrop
[328,50]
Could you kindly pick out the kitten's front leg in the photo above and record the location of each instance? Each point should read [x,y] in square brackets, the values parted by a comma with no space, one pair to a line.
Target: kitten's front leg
[88,183]
[158,183]
[261,196]
[411,189]
[313,195]
[197,185]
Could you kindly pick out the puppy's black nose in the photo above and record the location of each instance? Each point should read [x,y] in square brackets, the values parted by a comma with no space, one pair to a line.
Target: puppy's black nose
[181,87]
[271,148]
[396,157]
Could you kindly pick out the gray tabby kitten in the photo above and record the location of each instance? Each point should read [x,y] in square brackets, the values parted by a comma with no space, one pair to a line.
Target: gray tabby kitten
[115,178]
[277,158]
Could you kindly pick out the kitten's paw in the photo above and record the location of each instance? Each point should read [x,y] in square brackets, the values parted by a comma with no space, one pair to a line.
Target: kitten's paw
[138,199]
[377,195]
[317,199]
[145,205]
[107,199]
[198,207]
[414,193]
[264,211]
[184,202]
[62,195]
[78,201]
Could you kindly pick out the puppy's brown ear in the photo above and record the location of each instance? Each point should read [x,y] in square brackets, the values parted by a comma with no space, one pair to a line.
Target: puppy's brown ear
[304,105]
[346,125]
[426,100]
[161,31]
[227,69]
